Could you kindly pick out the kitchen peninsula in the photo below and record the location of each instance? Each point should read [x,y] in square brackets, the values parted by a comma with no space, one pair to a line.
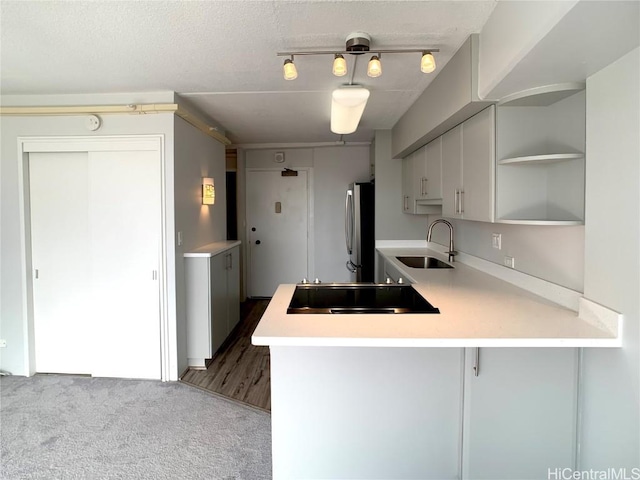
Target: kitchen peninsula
[352,396]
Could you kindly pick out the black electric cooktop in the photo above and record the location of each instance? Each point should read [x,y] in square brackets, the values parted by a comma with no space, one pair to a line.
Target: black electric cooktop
[353,298]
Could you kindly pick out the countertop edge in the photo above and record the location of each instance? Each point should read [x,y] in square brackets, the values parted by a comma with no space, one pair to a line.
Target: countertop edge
[212,249]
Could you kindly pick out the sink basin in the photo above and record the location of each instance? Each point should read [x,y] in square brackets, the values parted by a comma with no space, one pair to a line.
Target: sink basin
[423,262]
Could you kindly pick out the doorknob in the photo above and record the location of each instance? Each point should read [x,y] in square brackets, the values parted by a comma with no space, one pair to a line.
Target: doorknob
[257,242]
[253,229]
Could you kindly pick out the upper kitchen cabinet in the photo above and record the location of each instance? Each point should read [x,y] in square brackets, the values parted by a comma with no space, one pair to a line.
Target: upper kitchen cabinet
[540,156]
[450,98]
[422,179]
[468,168]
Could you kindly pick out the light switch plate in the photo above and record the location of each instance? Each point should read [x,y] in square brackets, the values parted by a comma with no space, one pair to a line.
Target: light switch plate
[496,240]
[509,262]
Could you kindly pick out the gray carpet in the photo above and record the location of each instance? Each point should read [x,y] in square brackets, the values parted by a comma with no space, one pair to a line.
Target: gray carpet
[65,427]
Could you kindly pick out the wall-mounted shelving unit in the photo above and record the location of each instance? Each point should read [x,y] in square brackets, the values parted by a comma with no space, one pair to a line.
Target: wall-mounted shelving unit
[540,159]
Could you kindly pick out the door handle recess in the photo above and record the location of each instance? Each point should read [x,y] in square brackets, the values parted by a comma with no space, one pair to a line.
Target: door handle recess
[476,363]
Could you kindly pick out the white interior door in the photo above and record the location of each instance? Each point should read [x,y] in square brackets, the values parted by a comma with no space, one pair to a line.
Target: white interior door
[60,246]
[125,200]
[96,235]
[277,229]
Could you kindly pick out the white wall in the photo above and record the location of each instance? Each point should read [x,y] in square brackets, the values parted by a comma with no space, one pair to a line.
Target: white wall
[334,168]
[555,254]
[391,223]
[196,155]
[611,377]
[13,328]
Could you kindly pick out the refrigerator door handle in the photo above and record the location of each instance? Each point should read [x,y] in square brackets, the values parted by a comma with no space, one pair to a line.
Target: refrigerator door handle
[348,221]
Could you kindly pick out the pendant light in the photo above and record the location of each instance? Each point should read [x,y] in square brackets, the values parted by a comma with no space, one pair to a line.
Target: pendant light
[339,65]
[428,63]
[374,69]
[290,71]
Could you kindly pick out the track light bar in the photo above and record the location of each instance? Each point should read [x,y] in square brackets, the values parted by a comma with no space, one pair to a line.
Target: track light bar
[345,52]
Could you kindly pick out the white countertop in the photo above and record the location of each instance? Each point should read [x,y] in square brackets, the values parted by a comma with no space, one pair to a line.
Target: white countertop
[212,249]
[476,310]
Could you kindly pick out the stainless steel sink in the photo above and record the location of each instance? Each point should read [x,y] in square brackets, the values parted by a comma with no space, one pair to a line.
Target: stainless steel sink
[423,262]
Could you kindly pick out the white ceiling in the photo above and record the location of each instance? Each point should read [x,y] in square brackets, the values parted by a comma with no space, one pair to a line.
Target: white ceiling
[221,55]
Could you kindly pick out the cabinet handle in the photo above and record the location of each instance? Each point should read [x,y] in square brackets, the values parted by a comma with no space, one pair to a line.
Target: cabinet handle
[461,202]
[405,203]
[154,275]
[476,364]
[229,261]
[455,201]
[424,186]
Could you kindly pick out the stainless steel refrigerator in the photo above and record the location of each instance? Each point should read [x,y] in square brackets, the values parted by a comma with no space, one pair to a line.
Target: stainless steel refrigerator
[359,231]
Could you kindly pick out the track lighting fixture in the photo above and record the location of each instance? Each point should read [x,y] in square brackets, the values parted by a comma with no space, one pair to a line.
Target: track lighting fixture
[339,65]
[290,71]
[349,101]
[374,68]
[358,43]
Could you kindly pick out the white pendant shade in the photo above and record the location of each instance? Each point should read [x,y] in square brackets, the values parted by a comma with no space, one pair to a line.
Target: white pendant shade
[347,106]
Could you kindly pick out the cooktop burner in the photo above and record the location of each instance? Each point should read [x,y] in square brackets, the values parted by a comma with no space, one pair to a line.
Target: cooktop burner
[354,298]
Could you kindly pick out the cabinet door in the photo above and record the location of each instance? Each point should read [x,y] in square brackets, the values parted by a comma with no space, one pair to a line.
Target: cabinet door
[233,288]
[419,178]
[519,412]
[433,177]
[408,199]
[219,326]
[451,172]
[374,413]
[478,166]
[198,296]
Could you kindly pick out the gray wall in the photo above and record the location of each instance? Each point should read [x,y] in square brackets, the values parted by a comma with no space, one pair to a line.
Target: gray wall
[611,377]
[13,327]
[334,168]
[196,155]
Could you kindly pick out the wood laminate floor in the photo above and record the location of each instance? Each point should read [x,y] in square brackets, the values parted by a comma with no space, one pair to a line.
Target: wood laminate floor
[239,370]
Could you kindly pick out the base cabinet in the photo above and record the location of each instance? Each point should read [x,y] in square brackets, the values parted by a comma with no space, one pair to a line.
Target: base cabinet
[358,412]
[519,412]
[213,303]
[422,413]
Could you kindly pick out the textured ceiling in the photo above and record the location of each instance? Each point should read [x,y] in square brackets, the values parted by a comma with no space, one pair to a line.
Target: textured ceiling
[222,55]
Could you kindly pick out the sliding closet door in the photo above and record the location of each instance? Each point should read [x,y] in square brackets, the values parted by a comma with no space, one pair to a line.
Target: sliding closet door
[96,236]
[125,201]
[60,237]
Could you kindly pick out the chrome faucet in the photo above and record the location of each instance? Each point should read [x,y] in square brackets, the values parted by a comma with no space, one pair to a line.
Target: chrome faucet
[451,251]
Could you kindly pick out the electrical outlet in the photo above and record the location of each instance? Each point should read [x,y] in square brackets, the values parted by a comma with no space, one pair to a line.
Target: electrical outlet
[509,262]
[3,343]
[496,240]
[179,238]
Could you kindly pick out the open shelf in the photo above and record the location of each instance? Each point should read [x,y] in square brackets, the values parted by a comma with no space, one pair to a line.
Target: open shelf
[541,96]
[539,222]
[541,159]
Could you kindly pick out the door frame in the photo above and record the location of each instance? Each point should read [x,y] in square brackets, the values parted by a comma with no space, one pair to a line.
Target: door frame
[42,144]
[310,221]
